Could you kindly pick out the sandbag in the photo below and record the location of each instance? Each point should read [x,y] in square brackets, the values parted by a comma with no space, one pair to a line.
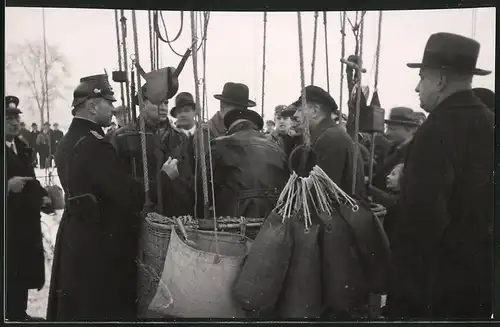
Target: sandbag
[261,278]
[301,295]
[197,279]
[373,246]
[342,275]
[56,195]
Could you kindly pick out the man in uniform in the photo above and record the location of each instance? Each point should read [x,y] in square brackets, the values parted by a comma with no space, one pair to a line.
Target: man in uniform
[25,197]
[442,238]
[94,270]
[161,140]
[283,124]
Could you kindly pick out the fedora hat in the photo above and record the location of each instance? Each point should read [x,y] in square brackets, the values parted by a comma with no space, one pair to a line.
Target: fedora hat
[182,99]
[235,93]
[453,52]
[402,116]
[246,114]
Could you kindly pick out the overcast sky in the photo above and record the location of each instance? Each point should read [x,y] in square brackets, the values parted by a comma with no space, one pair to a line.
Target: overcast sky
[87,38]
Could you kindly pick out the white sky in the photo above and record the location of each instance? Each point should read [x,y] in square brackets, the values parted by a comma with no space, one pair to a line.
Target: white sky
[87,38]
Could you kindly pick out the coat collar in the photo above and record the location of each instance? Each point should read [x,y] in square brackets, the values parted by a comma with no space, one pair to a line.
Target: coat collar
[326,123]
[458,99]
[85,124]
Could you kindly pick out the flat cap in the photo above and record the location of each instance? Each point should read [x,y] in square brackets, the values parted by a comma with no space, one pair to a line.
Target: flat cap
[317,94]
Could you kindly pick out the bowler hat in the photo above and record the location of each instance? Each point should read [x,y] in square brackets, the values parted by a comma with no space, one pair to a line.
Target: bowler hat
[317,94]
[402,116]
[95,86]
[452,52]
[246,114]
[235,93]
[11,103]
[182,99]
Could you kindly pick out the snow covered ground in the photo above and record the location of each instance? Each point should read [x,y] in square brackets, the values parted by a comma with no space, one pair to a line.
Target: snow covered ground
[37,300]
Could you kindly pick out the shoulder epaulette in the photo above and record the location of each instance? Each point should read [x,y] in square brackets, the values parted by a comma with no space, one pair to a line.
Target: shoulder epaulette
[97,135]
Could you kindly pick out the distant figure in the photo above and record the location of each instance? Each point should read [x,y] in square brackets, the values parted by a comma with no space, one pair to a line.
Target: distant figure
[56,137]
[43,144]
[270,125]
[32,140]
[24,133]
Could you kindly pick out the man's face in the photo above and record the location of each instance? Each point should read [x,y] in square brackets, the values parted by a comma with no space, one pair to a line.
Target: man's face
[56,127]
[307,113]
[34,128]
[12,125]
[282,123]
[185,116]
[103,111]
[428,88]
[22,126]
[269,127]
[399,132]
[46,127]
[153,114]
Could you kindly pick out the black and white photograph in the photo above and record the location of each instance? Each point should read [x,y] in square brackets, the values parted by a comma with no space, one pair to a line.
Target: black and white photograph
[224,165]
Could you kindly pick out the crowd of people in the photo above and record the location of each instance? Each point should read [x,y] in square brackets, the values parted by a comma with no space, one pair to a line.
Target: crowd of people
[43,142]
[433,174]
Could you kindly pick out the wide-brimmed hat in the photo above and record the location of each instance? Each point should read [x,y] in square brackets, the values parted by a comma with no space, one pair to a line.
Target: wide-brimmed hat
[236,93]
[181,100]
[402,116]
[11,106]
[246,114]
[453,52]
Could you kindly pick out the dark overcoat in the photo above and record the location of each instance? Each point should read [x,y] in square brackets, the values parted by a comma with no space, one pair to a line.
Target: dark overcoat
[442,239]
[249,172]
[94,274]
[25,259]
[335,150]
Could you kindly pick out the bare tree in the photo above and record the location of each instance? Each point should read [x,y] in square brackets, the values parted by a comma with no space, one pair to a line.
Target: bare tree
[26,63]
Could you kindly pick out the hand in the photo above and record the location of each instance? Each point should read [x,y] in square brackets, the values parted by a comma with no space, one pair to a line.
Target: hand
[378,210]
[170,168]
[16,183]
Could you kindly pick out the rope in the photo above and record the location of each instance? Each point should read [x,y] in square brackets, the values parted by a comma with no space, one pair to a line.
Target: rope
[142,124]
[264,64]
[306,135]
[474,18]
[315,36]
[204,51]
[326,53]
[123,20]
[343,16]
[197,100]
[151,47]
[358,105]
[377,53]
[117,26]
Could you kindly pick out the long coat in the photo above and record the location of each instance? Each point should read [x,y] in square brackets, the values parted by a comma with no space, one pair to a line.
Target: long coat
[335,150]
[249,172]
[441,240]
[25,259]
[94,270]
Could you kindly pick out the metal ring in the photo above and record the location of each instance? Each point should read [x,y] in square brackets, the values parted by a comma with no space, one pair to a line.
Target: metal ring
[355,208]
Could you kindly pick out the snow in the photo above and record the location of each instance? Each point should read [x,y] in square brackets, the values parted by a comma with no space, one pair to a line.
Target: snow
[37,300]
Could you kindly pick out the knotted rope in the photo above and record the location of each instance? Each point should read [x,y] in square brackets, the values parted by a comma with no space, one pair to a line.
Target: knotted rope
[264,64]
[142,124]
[306,135]
[343,16]
[315,37]
[326,53]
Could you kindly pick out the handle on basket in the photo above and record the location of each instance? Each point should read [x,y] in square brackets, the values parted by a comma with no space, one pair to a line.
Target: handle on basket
[183,231]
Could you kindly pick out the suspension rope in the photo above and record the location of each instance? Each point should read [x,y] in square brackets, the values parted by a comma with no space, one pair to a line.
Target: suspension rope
[315,37]
[326,53]
[377,53]
[151,46]
[198,109]
[127,115]
[142,124]
[204,52]
[306,135]
[343,16]
[358,103]
[474,23]
[264,64]
[119,51]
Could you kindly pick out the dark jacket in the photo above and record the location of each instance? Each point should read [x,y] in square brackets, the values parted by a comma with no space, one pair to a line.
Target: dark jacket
[441,243]
[160,144]
[94,274]
[249,173]
[25,260]
[55,137]
[335,150]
